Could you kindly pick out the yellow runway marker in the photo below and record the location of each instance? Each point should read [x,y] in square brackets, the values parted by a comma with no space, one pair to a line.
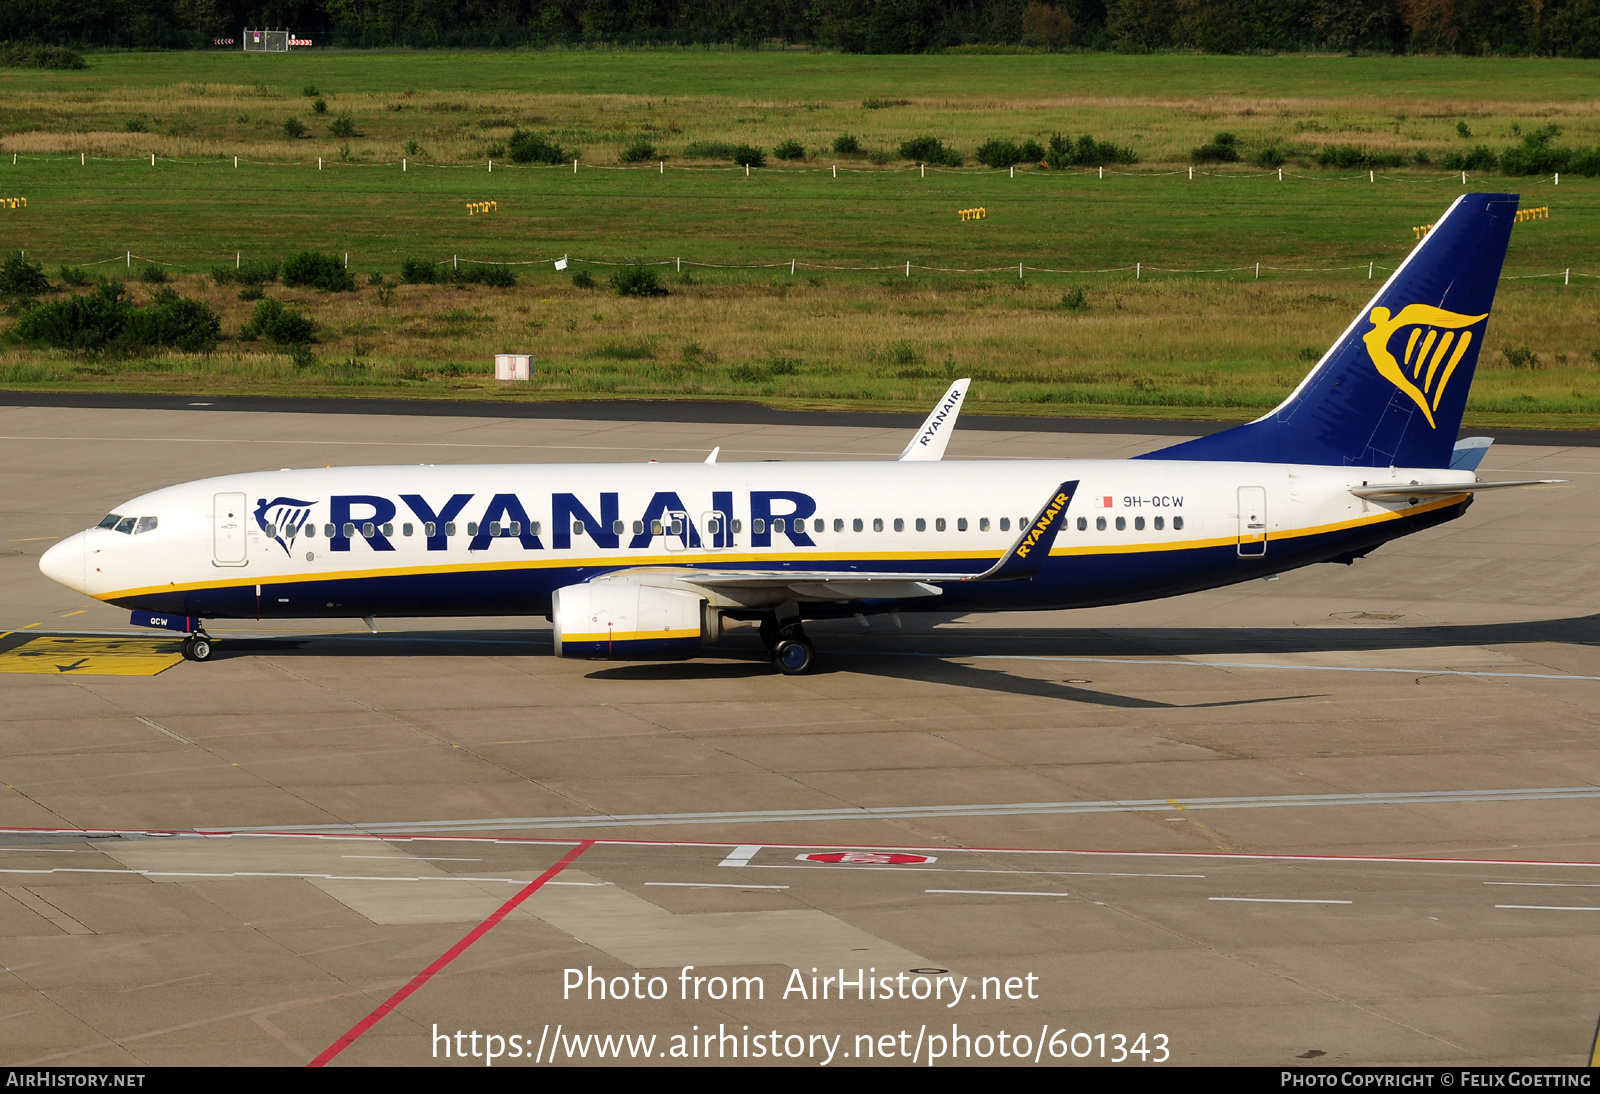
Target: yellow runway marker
[50,655]
[69,615]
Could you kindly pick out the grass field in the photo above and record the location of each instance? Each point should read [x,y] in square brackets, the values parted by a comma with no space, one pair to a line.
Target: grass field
[1201,344]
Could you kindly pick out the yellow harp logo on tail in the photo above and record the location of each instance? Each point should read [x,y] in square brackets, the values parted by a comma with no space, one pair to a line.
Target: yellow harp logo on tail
[1432,351]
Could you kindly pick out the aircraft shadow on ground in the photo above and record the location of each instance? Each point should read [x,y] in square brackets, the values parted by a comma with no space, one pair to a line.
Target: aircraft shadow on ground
[927,652]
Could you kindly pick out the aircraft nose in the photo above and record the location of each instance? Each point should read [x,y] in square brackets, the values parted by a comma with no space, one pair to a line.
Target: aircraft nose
[64,563]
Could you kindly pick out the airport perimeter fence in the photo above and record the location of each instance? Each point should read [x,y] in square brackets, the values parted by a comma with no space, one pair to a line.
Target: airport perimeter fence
[795,266]
[834,169]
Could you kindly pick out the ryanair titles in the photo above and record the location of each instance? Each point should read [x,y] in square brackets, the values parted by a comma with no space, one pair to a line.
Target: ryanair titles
[1042,523]
[371,518]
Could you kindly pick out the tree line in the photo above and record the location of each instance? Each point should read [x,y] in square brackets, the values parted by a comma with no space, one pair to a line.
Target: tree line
[1567,28]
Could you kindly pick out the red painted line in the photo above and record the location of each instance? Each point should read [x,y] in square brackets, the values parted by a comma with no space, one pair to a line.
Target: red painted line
[448,956]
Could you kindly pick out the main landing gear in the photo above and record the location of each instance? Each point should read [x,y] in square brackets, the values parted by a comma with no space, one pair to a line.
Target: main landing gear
[198,647]
[792,652]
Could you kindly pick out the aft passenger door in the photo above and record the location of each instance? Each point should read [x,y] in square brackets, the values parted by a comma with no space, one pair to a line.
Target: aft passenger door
[1252,521]
[228,530]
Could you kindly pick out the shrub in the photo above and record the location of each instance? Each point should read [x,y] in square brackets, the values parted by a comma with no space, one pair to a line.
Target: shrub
[413,148]
[998,153]
[320,106]
[1348,156]
[638,151]
[846,145]
[19,277]
[583,279]
[884,104]
[294,129]
[254,272]
[103,321]
[153,275]
[279,325]
[496,150]
[747,156]
[343,126]
[318,271]
[1271,156]
[1479,159]
[1074,300]
[497,277]
[1085,152]
[637,279]
[1224,148]
[41,57]
[534,148]
[1463,132]
[134,125]
[76,276]
[418,271]
[310,91]
[930,150]
[790,150]
[1521,357]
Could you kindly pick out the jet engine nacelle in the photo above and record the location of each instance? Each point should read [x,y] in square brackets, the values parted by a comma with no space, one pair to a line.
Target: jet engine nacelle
[610,620]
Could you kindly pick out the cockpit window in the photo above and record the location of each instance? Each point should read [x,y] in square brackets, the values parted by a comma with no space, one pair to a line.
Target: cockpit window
[146,524]
[109,520]
[125,526]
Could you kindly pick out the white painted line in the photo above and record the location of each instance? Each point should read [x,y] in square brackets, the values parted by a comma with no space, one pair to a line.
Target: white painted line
[1551,884]
[412,858]
[741,855]
[903,812]
[1275,900]
[711,885]
[993,892]
[1549,907]
[963,870]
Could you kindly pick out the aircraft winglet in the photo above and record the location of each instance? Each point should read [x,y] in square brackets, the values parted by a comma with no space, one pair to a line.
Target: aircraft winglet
[1027,556]
[930,441]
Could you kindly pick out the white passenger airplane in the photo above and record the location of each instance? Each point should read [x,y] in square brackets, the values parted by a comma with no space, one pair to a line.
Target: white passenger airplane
[654,560]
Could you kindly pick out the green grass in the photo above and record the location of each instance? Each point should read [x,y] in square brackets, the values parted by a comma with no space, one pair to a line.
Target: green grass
[1198,344]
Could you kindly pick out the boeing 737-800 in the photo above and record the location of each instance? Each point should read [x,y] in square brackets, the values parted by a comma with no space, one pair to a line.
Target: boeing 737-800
[646,561]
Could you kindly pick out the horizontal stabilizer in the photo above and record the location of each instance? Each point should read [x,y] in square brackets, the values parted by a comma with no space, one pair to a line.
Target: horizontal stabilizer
[930,441]
[1469,453]
[1440,489]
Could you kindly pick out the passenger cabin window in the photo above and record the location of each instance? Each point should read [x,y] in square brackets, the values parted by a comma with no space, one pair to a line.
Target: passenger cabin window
[938,524]
[494,528]
[1161,523]
[738,526]
[1083,523]
[1138,524]
[961,524]
[367,530]
[1122,524]
[616,528]
[758,526]
[922,525]
[877,524]
[983,524]
[329,531]
[309,530]
[1099,524]
[818,525]
[838,525]
[655,528]
[856,525]
[407,529]
[713,527]
[1177,524]
[638,527]
[577,527]
[899,524]
[388,529]
[349,529]
[472,528]
[1005,524]
[777,526]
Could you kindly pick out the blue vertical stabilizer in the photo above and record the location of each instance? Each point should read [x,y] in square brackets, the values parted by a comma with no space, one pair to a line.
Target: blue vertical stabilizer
[1391,391]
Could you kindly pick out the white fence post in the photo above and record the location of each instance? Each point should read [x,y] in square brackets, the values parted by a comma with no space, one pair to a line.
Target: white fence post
[1191,174]
[1370,265]
[402,165]
[1558,175]
[238,256]
[680,263]
[455,262]
[574,167]
[236,163]
[130,260]
[1258,271]
[1137,269]
[1280,174]
[924,169]
[1019,271]
[1568,279]
[908,268]
[791,267]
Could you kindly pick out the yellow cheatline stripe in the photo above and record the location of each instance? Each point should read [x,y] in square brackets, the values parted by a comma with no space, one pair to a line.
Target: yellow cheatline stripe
[683,559]
[629,636]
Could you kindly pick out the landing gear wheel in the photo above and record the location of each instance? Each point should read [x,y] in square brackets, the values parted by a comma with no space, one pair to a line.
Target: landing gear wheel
[197,648]
[794,656]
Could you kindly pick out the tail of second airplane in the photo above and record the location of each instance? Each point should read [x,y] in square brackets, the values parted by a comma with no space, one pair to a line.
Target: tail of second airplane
[1391,391]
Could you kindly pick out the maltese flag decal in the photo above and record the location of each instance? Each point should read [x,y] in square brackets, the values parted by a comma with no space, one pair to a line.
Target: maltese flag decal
[1103,501]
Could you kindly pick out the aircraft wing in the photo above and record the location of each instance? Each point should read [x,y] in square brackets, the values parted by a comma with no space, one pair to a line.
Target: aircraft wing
[930,441]
[1025,559]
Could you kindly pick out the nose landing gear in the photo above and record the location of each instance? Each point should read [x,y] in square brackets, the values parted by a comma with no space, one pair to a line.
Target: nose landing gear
[197,647]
